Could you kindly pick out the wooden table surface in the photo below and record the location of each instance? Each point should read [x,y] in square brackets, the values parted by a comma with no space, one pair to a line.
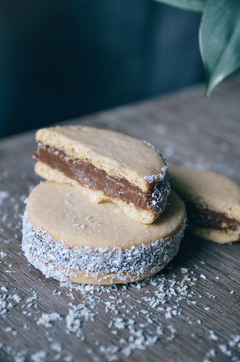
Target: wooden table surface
[189,312]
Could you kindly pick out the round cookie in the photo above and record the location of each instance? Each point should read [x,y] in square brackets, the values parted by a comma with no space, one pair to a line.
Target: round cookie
[106,166]
[212,202]
[69,238]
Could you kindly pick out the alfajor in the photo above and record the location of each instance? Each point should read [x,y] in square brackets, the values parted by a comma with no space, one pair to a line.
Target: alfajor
[212,201]
[107,166]
[71,239]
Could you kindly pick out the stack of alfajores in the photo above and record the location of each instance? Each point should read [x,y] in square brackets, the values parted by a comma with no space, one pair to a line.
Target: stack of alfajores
[104,215]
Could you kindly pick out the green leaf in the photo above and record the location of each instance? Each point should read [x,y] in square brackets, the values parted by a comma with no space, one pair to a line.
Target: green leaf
[193,5]
[219,40]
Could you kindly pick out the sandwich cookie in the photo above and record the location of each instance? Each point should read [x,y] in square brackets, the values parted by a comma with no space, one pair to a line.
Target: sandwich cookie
[107,166]
[212,201]
[71,239]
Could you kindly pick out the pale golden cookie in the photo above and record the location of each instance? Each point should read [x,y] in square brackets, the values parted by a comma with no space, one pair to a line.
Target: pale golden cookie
[109,166]
[212,202]
[69,238]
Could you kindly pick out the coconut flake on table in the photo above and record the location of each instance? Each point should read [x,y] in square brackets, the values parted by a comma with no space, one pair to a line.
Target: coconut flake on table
[47,319]
[2,254]
[39,356]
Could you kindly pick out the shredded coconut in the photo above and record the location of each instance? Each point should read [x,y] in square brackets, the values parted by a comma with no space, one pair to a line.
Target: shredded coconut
[39,356]
[234,341]
[75,316]
[2,254]
[21,356]
[223,348]
[212,335]
[47,319]
[56,346]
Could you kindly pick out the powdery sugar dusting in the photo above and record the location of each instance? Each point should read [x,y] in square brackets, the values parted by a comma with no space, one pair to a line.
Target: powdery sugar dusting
[44,252]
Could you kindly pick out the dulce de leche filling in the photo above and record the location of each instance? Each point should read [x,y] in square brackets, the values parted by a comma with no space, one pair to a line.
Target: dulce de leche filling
[210,219]
[88,175]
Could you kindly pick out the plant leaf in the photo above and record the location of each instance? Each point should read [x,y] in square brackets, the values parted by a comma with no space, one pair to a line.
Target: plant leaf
[219,40]
[193,5]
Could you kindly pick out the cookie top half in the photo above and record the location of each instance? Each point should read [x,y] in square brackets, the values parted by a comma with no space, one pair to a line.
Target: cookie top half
[68,216]
[117,154]
[207,188]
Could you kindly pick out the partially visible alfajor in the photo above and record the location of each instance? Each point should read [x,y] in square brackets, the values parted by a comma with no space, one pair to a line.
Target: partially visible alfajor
[212,201]
[71,239]
[107,166]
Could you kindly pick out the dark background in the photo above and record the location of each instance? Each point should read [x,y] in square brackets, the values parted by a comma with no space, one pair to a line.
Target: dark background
[65,58]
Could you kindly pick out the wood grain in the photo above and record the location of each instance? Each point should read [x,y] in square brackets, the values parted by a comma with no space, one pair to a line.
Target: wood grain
[201,323]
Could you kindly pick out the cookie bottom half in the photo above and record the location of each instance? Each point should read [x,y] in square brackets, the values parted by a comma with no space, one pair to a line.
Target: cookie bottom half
[96,265]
